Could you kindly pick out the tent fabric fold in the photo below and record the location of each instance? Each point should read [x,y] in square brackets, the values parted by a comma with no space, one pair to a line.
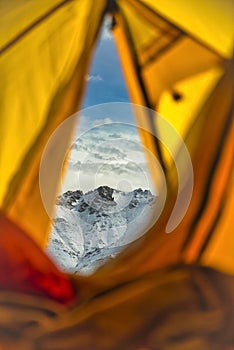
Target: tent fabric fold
[184,307]
[43,78]
[204,79]
[25,268]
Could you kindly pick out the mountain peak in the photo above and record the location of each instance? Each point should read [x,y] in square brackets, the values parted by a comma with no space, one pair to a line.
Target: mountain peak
[106,192]
[92,227]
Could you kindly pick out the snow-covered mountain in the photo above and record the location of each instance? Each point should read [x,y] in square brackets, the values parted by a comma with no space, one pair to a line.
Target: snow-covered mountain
[93,227]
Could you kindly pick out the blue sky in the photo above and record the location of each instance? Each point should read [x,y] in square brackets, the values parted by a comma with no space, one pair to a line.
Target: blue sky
[105,79]
[107,149]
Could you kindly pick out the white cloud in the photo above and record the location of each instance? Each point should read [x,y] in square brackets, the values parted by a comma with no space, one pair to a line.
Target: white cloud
[99,122]
[84,124]
[110,155]
[106,31]
[94,78]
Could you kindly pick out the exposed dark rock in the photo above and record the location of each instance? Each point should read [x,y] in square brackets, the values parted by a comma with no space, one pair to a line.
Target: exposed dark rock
[69,198]
[76,199]
[82,207]
[91,210]
[106,192]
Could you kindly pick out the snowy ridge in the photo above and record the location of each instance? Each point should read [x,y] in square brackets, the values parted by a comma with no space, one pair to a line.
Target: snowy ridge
[93,227]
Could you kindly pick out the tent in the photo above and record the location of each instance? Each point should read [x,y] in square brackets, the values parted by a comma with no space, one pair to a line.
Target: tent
[177,58]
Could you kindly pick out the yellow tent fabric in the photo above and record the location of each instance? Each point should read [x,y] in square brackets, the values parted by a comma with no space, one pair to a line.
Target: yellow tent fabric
[211,22]
[188,79]
[177,60]
[45,53]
